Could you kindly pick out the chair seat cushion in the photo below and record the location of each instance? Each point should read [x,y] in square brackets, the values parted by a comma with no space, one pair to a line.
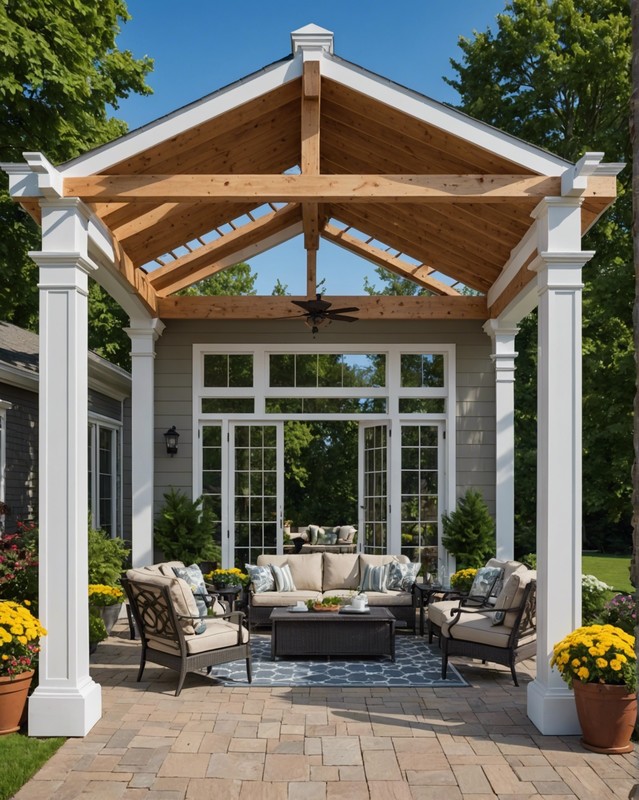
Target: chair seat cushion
[218,634]
[477,628]
[439,613]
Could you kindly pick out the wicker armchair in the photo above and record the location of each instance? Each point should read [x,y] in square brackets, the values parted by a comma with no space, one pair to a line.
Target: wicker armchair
[471,632]
[166,631]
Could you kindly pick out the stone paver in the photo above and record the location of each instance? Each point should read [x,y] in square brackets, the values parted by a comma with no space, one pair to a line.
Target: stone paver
[320,743]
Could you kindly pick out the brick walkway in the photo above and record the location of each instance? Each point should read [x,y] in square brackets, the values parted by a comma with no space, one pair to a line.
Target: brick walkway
[318,743]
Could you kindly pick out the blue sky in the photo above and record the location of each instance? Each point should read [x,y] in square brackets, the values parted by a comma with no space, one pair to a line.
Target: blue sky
[201,45]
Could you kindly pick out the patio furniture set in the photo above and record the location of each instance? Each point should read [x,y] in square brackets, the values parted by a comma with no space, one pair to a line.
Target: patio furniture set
[177,630]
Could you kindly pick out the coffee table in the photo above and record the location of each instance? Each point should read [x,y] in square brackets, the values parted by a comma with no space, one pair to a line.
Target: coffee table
[317,633]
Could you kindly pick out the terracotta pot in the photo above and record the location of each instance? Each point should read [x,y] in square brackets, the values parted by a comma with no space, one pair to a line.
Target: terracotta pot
[13,698]
[607,716]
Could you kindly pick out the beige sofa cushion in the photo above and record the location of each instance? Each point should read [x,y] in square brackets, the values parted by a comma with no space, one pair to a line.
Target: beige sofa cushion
[282,599]
[341,571]
[218,634]
[306,568]
[389,598]
[366,559]
[181,594]
[439,613]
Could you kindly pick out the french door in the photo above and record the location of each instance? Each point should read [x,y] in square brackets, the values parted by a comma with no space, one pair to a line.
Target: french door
[243,484]
[373,494]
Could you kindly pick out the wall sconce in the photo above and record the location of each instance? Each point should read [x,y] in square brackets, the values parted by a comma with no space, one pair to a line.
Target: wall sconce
[171,438]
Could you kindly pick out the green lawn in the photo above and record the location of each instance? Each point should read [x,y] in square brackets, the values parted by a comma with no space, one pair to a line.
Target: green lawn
[20,758]
[613,570]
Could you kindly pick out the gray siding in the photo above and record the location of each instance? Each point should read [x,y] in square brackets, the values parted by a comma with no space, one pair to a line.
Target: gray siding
[105,406]
[475,386]
[21,476]
[126,469]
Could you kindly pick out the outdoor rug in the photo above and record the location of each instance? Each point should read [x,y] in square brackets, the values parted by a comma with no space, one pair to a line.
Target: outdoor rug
[417,664]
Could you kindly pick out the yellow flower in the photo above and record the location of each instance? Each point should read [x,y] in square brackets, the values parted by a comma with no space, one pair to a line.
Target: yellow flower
[615,664]
[601,663]
[575,662]
[583,673]
[5,657]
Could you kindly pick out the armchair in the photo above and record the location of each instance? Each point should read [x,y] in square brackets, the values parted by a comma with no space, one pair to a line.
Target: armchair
[167,618]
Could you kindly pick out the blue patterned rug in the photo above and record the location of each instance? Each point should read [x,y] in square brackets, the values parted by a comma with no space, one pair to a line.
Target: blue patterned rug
[417,664]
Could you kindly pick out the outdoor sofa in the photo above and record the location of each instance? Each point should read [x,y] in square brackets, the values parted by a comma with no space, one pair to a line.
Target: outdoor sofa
[319,575]
[323,539]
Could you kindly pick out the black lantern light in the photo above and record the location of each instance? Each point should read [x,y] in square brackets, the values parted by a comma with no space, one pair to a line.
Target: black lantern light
[171,438]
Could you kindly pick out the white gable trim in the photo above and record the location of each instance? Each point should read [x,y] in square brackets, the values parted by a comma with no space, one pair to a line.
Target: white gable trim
[448,119]
[209,107]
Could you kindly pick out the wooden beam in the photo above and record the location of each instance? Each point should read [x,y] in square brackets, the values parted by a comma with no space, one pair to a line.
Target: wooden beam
[311,273]
[324,188]
[418,274]
[520,280]
[201,262]
[310,148]
[379,307]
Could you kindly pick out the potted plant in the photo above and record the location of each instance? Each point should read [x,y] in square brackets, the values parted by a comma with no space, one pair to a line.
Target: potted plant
[599,663]
[463,579]
[20,634]
[469,531]
[221,578]
[97,630]
[107,602]
[184,529]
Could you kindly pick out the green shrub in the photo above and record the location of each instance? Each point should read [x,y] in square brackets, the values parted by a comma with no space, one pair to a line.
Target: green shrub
[530,560]
[594,594]
[107,557]
[184,530]
[97,628]
[469,531]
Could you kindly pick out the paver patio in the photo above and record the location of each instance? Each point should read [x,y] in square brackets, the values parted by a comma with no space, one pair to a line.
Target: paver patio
[319,743]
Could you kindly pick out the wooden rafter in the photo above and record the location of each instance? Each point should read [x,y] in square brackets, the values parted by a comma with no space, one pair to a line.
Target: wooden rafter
[204,261]
[506,189]
[310,149]
[418,274]
[375,307]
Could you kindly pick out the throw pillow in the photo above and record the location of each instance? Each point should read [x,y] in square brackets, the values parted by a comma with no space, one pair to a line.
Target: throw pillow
[313,532]
[484,582]
[401,577]
[283,578]
[331,538]
[193,576]
[509,596]
[345,533]
[261,578]
[374,579]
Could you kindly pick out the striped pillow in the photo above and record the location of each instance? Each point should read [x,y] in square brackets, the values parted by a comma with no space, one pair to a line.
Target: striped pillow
[283,578]
[374,579]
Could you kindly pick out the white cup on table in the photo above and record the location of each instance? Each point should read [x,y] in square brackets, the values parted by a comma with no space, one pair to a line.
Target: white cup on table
[300,605]
[358,603]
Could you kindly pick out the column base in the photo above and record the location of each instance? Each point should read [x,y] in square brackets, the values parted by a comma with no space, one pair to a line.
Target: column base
[553,710]
[64,711]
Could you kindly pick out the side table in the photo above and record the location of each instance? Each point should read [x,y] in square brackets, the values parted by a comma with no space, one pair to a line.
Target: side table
[422,595]
[229,594]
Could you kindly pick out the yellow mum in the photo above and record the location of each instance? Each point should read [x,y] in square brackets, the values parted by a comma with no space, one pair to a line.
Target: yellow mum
[615,664]
[583,673]
[601,663]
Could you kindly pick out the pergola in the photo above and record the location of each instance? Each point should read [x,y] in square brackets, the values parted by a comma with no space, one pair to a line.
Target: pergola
[310,145]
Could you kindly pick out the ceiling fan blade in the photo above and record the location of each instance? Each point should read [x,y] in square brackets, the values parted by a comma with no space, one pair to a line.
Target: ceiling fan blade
[316,306]
[341,317]
[343,310]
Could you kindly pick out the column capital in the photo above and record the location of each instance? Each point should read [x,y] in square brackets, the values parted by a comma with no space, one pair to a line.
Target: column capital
[144,334]
[560,270]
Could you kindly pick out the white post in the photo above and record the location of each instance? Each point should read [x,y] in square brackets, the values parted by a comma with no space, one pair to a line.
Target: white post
[143,336]
[66,702]
[504,355]
[551,704]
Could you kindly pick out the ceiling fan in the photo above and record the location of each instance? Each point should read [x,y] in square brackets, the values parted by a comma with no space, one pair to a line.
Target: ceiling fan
[318,312]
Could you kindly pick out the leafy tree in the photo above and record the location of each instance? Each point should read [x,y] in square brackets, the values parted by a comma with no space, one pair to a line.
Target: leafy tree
[469,531]
[556,73]
[60,70]
[234,280]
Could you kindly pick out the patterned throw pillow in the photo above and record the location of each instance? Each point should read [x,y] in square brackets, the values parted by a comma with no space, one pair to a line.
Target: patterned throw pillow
[283,578]
[193,576]
[261,578]
[484,582]
[314,532]
[401,577]
[374,579]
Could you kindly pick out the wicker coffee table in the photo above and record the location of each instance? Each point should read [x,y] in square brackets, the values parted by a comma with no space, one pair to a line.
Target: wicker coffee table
[332,633]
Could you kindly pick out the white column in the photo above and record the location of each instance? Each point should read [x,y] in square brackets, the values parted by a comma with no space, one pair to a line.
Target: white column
[66,702]
[143,336]
[550,703]
[504,355]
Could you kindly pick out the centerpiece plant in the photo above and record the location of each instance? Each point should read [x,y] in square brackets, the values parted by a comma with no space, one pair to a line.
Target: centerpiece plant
[599,663]
[227,577]
[463,579]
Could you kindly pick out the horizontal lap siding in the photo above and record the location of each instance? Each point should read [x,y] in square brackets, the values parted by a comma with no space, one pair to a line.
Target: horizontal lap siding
[21,475]
[475,401]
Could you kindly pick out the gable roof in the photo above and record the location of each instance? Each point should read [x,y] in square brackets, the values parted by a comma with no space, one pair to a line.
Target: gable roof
[315,144]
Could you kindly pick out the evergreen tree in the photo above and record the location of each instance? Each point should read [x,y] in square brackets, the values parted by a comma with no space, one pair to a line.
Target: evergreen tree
[469,531]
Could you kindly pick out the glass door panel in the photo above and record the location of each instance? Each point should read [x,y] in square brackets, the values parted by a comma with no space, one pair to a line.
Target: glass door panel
[373,524]
[256,458]
[420,493]
[211,478]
